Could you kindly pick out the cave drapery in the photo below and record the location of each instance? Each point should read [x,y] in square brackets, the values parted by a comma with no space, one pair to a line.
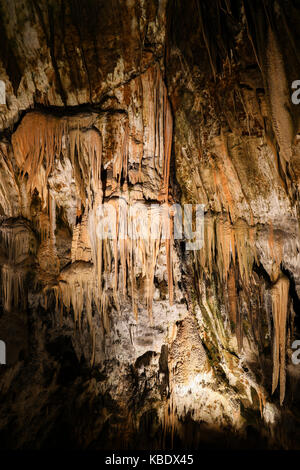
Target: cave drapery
[155,103]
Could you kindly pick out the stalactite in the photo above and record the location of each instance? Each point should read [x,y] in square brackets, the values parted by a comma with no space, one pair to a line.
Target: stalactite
[49,264]
[19,244]
[9,190]
[12,287]
[275,252]
[159,126]
[85,152]
[280,292]
[18,240]
[38,141]
[232,295]
[224,243]
[279,96]
[228,247]
[41,138]
[224,248]
[168,126]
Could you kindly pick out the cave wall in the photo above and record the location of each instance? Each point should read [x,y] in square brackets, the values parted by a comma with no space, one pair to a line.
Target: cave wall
[137,343]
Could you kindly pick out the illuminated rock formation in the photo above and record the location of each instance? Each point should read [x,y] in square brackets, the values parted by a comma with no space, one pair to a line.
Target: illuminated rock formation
[116,114]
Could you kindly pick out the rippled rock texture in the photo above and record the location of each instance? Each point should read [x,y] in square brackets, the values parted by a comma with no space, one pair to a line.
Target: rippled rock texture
[138,342]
